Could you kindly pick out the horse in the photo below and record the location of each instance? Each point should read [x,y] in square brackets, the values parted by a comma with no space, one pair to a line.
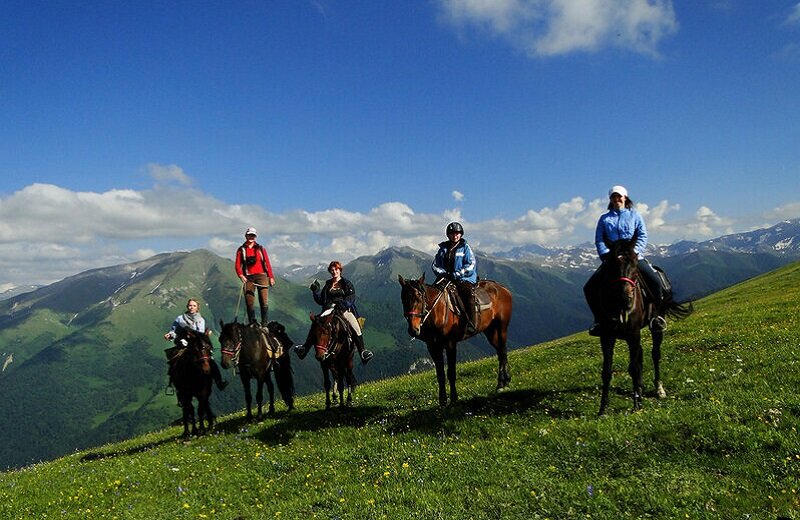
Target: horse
[333,348]
[191,376]
[256,353]
[624,313]
[431,319]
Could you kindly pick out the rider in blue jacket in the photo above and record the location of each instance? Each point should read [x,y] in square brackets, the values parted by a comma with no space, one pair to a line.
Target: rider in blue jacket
[456,262]
[621,222]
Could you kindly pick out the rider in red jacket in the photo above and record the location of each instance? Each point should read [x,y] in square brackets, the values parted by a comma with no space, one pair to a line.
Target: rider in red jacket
[255,271]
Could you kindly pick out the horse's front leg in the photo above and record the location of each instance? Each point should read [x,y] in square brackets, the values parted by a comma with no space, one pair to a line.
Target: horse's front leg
[259,398]
[607,344]
[271,391]
[326,381]
[451,371]
[437,354]
[658,337]
[248,395]
[635,368]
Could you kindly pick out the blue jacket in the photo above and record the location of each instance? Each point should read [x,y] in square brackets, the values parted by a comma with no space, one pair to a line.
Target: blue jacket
[458,261]
[620,225]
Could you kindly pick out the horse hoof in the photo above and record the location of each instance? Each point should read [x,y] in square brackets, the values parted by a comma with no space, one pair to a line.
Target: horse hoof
[660,392]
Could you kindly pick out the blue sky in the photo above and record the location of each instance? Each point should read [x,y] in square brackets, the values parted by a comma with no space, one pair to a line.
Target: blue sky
[338,128]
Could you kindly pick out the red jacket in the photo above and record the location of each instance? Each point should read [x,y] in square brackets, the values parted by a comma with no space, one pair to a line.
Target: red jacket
[258,263]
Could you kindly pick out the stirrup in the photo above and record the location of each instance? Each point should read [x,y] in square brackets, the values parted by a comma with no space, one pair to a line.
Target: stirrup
[595,329]
[658,323]
[366,356]
[300,350]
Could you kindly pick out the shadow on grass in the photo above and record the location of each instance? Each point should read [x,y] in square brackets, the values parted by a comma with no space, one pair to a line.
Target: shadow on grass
[96,455]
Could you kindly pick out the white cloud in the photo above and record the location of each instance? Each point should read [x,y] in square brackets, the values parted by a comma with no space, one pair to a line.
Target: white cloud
[557,27]
[457,196]
[168,174]
[76,231]
[794,15]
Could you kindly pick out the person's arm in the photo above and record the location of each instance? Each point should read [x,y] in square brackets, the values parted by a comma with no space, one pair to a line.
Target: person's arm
[641,235]
[268,265]
[468,268]
[238,264]
[600,239]
[438,264]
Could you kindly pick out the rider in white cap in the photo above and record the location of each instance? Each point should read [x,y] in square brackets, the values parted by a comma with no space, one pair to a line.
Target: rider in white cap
[255,272]
[621,222]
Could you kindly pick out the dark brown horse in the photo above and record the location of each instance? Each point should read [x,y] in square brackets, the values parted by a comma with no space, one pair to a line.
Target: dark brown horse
[333,348]
[191,376]
[256,353]
[624,313]
[431,319]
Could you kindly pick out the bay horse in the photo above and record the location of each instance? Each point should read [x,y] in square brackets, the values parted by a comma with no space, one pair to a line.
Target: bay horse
[624,312]
[257,352]
[191,377]
[333,347]
[432,320]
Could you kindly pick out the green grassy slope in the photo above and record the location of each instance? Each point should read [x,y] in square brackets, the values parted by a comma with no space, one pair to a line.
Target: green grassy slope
[724,444]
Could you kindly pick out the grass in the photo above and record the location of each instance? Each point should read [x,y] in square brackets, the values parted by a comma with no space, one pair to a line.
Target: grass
[724,444]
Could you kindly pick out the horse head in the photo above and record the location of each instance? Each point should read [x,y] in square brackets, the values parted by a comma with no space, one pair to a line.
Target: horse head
[200,347]
[230,339]
[415,305]
[622,279]
[321,335]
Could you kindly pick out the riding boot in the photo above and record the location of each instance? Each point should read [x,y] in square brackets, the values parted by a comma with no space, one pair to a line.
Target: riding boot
[217,376]
[301,350]
[470,312]
[251,315]
[365,354]
[264,316]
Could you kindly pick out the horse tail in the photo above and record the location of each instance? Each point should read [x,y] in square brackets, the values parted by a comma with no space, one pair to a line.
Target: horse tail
[677,310]
[284,377]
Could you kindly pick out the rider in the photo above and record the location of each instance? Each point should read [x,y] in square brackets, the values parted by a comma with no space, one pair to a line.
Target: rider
[191,320]
[621,222]
[255,271]
[456,262]
[338,293]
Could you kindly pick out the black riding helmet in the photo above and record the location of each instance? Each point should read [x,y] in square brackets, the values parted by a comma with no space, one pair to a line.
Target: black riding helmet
[454,227]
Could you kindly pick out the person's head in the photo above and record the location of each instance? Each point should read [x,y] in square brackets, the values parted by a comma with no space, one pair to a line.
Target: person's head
[335,268]
[454,231]
[192,306]
[250,234]
[618,198]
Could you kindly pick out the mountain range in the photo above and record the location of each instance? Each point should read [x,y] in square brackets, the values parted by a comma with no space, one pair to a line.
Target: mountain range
[83,362]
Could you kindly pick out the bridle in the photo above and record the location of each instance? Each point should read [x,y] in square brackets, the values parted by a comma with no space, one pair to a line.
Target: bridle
[425,312]
[237,340]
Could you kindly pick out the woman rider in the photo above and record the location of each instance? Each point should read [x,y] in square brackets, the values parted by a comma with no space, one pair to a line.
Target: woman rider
[338,293]
[621,222]
[192,320]
[455,261]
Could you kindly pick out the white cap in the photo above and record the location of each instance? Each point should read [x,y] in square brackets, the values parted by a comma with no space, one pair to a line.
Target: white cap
[618,189]
[251,231]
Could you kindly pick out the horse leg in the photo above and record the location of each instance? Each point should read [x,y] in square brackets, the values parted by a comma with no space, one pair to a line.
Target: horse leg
[351,386]
[271,390]
[188,418]
[497,338]
[451,372]
[248,395]
[260,397]
[607,344]
[635,368]
[326,380]
[437,354]
[658,337]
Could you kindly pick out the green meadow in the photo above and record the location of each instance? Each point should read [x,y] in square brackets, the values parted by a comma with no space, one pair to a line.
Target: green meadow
[723,444]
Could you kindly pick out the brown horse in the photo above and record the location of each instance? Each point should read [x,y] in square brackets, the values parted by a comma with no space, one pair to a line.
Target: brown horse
[256,353]
[333,346]
[624,313]
[431,319]
[191,376]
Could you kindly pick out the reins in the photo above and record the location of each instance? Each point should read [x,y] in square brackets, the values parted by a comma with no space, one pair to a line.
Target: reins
[424,298]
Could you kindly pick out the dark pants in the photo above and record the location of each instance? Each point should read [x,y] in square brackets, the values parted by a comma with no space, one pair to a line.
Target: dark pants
[257,283]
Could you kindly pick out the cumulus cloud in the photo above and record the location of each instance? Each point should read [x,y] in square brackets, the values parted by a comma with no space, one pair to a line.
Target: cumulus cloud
[457,196]
[558,27]
[76,231]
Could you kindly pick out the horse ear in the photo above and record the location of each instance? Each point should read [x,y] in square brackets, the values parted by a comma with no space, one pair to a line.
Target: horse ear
[422,278]
[400,279]
[221,324]
[311,316]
